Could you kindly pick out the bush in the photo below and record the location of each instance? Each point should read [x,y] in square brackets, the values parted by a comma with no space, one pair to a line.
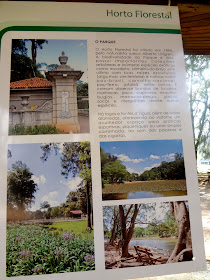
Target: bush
[20,129]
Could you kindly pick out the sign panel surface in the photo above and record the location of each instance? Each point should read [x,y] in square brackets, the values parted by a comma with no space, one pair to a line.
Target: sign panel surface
[98,173]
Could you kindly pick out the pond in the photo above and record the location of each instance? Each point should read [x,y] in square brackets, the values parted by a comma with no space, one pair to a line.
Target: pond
[144,189]
[146,194]
[167,244]
[142,194]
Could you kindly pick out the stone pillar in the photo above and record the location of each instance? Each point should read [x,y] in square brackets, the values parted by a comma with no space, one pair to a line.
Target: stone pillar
[64,86]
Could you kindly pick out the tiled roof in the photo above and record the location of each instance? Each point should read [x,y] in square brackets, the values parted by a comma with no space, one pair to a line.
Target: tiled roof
[76,212]
[31,83]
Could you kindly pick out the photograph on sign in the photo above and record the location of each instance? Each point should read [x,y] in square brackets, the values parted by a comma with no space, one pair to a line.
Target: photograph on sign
[49,216]
[142,169]
[147,234]
[49,87]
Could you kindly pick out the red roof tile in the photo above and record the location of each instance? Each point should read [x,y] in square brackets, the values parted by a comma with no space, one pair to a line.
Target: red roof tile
[31,83]
[76,212]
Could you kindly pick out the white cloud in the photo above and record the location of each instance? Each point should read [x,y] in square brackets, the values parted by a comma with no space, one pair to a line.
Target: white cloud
[39,180]
[72,184]
[169,156]
[52,202]
[125,158]
[33,208]
[131,170]
[150,167]
[53,194]
[42,179]
[35,179]
[154,157]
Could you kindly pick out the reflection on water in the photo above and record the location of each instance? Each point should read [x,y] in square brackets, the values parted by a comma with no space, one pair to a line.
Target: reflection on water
[155,243]
[142,194]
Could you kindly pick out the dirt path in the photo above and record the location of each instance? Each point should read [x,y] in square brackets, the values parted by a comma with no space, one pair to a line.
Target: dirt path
[113,259]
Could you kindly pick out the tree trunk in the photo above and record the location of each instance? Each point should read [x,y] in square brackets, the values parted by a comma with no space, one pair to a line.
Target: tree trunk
[88,205]
[33,53]
[127,233]
[21,212]
[113,234]
[183,247]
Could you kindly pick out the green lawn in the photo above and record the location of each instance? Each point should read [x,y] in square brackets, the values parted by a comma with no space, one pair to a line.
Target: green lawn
[136,186]
[77,227]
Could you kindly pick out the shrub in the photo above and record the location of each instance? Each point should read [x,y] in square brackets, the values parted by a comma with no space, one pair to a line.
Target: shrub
[20,129]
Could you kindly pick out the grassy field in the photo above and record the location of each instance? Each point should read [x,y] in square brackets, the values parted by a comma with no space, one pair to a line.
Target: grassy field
[150,186]
[77,227]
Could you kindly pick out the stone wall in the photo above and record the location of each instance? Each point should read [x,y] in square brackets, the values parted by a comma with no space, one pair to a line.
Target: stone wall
[37,97]
[31,107]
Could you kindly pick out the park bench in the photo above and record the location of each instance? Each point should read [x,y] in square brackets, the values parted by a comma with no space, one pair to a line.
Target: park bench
[145,255]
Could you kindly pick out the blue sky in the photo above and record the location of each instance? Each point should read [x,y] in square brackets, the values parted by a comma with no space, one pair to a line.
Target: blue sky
[139,156]
[53,187]
[76,50]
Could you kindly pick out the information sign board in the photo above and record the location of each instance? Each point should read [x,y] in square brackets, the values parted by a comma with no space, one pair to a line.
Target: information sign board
[98,170]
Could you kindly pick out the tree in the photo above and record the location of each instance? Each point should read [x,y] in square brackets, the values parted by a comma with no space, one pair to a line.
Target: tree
[115,227]
[9,154]
[183,247]
[197,67]
[139,232]
[78,198]
[114,172]
[173,170]
[19,47]
[106,158]
[22,67]
[36,44]
[75,160]
[44,67]
[55,212]
[127,219]
[46,207]
[82,88]
[112,169]
[168,227]
[20,188]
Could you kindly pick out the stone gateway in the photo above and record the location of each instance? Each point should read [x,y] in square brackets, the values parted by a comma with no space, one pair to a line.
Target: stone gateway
[52,101]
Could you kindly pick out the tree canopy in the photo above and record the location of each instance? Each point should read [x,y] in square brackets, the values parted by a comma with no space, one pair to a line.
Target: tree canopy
[173,170]
[20,188]
[112,169]
[22,66]
[197,70]
[82,88]
[75,161]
